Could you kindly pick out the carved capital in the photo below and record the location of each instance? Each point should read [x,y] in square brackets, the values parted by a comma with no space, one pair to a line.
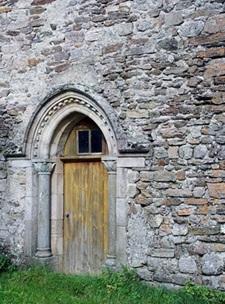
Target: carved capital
[110,164]
[44,167]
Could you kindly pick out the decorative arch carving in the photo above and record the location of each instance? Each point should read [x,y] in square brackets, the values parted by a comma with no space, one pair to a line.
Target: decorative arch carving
[44,127]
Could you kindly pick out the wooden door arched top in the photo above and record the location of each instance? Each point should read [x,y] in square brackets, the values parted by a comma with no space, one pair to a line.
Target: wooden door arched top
[85,140]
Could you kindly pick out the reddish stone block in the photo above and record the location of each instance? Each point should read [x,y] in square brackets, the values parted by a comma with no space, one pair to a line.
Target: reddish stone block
[215,67]
[165,229]
[62,67]
[181,175]
[218,109]
[208,39]
[33,62]
[205,210]
[204,230]
[112,48]
[217,190]
[217,173]
[219,80]
[218,97]
[219,247]
[5,9]
[197,201]
[215,24]
[145,201]
[184,212]
[219,218]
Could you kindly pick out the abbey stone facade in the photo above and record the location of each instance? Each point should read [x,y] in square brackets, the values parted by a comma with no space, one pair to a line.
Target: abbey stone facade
[149,77]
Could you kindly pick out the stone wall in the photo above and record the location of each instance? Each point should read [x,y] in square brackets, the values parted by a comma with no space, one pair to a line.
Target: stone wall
[161,65]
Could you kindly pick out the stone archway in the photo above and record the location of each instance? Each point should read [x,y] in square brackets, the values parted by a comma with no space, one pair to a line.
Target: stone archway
[46,138]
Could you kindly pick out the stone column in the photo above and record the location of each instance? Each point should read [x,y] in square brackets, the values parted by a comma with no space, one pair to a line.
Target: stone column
[110,164]
[44,169]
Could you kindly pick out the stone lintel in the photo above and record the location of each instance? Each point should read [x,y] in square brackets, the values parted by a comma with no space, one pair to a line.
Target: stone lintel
[131,162]
[133,146]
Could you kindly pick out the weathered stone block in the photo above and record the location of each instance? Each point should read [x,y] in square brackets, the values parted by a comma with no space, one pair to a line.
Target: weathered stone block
[200,151]
[198,248]
[138,113]
[215,67]
[215,24]
[187,265]
[124,29]
[179,230]
[2,185]
[218,97]
[197,201]
[169,44]
[179,192]
[132,190]
[155,220]
[212,264]
[162,253]
[191,28]
[5,9]
[145,201]
[219,80]
[160,152]
[208,39]
[186,151]
[204,230]
[173,152]
[173,18]
[41,2]
[212,53]
[164,176]
[131,162]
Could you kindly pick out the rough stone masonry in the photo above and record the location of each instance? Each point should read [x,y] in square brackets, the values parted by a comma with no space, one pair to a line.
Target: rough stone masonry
[160,64]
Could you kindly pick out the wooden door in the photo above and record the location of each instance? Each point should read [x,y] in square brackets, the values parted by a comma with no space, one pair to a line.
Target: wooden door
[85,216]
[85,200]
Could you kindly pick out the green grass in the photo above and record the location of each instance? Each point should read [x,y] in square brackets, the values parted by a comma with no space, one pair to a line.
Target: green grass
[40,286]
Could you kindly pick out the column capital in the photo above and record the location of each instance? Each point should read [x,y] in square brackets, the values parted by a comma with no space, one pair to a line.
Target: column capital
[44,166]
[110,163]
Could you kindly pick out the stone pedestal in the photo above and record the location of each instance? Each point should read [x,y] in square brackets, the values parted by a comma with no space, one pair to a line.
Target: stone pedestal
[44,169]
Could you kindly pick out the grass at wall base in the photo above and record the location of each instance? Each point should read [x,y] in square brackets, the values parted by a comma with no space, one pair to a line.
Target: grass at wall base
[38,285]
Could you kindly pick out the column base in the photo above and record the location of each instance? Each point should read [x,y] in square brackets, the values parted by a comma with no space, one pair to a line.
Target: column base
[43,253]
[111,261]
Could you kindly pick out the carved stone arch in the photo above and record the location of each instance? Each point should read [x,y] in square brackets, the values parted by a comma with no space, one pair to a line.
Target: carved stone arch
[44,133]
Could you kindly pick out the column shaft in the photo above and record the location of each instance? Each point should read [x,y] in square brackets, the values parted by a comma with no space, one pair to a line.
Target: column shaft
[44,211]
[110,164]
